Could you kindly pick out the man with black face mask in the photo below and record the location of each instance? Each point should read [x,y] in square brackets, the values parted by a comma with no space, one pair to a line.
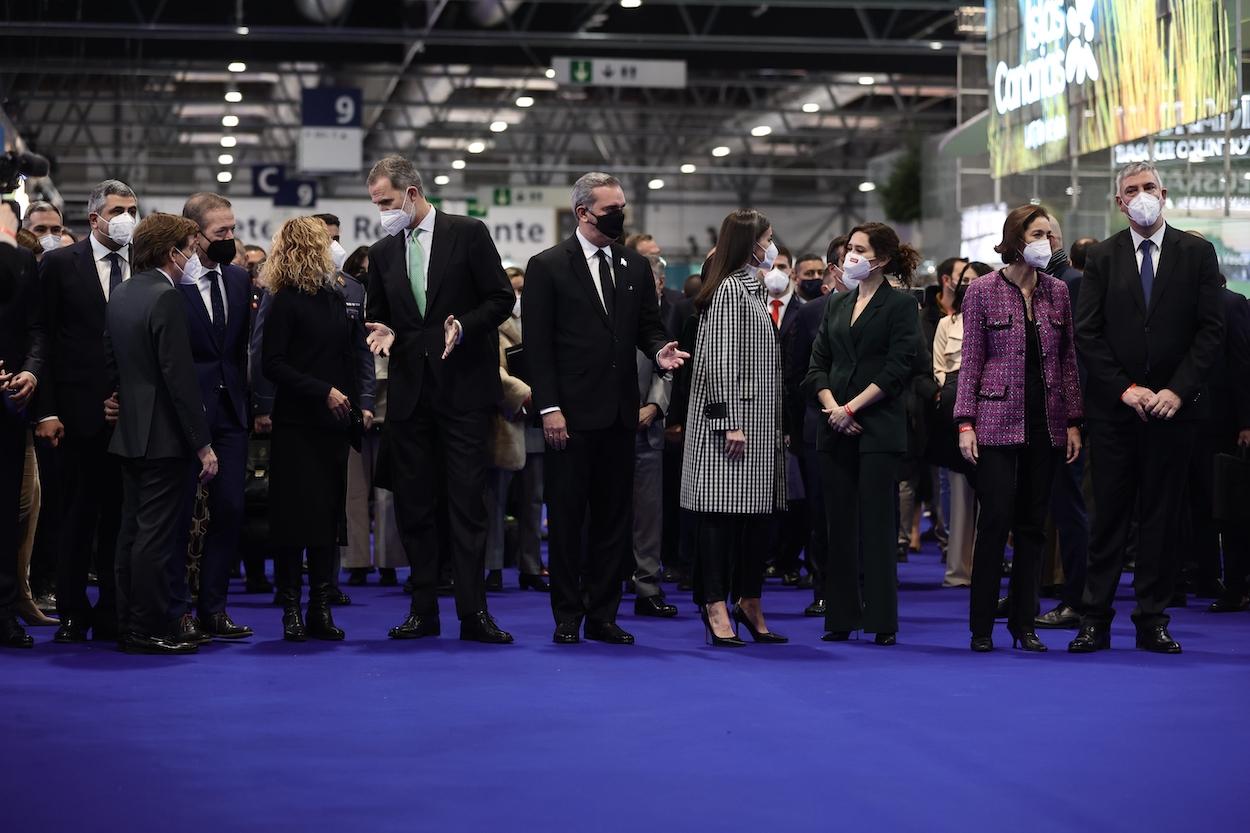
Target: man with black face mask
[588,303]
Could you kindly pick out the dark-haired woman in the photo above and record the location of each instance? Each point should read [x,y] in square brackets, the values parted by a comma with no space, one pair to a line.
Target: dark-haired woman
[1018,408]
[733,471]
[861,364]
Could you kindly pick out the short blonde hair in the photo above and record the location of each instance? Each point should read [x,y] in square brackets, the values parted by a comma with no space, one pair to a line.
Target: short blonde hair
[299,257]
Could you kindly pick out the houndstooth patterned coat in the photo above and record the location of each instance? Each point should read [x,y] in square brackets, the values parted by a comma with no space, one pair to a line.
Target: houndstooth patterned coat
[736,384]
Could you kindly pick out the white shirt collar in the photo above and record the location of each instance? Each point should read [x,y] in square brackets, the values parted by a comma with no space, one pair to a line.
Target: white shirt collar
[426,225]
[784,299]
[162,271]
[589,248]
[1156,238]
[100,251]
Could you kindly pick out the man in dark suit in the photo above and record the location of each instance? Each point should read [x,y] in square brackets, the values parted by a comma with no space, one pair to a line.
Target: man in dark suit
[161,430]
[1149,326]
[216,296]
[437,295]
[587,305]
[77,282]
[21,366]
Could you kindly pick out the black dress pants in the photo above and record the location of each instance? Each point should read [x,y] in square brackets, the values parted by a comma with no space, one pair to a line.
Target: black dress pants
[1013,488]
[729,556]
[817,547]
[156,497]
[590,484]
[1136,461]
[860,491]
[440,452]
[1067,507]
[92,491]
[288,566]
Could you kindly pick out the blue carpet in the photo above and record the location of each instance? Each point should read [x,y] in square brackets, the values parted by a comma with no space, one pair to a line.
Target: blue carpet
[438,735]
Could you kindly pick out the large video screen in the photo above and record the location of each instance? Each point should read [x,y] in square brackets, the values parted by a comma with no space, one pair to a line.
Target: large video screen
[1069,77]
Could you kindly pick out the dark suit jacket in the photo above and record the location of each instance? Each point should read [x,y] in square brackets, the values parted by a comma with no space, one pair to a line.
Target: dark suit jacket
[73,309]
[465,280]
[221,363]
[1169,341]
[796,354]
[149,354]
[582,362]
[1230,376]
[675,308]
[881,347]
[309,347]
[22,339]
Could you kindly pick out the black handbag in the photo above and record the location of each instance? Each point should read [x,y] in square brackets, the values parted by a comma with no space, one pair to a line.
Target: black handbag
[1231,491]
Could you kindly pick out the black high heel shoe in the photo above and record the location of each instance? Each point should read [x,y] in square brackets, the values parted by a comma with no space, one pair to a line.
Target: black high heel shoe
[1028,641]
[885,639]
[718,641]
[836,636]
[982,644]
[767,637]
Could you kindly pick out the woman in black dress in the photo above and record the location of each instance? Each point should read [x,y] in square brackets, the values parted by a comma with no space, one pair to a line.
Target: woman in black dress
[309,354]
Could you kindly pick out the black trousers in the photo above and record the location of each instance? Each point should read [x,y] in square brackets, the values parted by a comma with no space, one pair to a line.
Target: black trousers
[156,497]
[591,483]
[673,553]
[1146,461]
[288,566]
[441,452]
[92,490]
[860,491]
[1067,508]
[817,546]
[729,556]
[13,432]
[1202,535]
[1013,487]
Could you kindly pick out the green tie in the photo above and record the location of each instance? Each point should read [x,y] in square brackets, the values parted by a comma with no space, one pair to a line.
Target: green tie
[416,270]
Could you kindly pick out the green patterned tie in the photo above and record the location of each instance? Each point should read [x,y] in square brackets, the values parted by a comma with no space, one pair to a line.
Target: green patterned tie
[416,270]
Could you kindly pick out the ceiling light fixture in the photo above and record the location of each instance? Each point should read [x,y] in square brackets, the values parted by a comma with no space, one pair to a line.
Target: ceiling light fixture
[720,151]
[867,80]
[228,141]
[761,130]
[457,164]
[442,179]
[811,107]
[688,168]
[630,4]
[237,66]
[525,101]
[224,176]
[476,147]
[234,96]
[550,73]
[229,121]
[498,126]
[655,184]
[225,159]
[935,45]
[865,187]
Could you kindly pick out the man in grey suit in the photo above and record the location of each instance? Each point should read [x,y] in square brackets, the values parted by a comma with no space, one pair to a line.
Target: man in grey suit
[655,389]
[161,430]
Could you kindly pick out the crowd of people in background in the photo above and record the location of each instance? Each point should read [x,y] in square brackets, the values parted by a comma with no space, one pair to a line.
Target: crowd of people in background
[416,404]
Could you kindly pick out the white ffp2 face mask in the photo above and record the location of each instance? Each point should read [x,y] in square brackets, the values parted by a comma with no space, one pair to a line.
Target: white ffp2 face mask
[193,270]
[50,242]
[338,254]
[120,229]
[854,269]
[776,282]
[395,220]
[1037,254]
[1144,210]
[770,254]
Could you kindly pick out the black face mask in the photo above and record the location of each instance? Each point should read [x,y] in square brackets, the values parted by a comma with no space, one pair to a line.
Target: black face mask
[610,225]
[220,252]
[1058,262]
[810,287]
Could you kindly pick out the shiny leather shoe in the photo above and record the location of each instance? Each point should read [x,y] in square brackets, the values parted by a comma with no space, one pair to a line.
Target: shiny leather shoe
[1003,610]
[836,636]
[537,583]
[654,606]
[609,632]
[1228,604]
[293,629]
[338,598]
[885,639]
[220,626]
[816,608]
[387,577]
[718,641]
[1062,617]
[1090,639]
[319,622]
[982,644]
[567,633]
[415,627]
[188,630]
[1158,640]
[766,637]
[1028,641]
[73,629]
[137,643]
[13,635]
[481,627]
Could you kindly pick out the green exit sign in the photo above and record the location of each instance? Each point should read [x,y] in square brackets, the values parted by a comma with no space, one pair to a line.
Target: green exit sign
[582,72]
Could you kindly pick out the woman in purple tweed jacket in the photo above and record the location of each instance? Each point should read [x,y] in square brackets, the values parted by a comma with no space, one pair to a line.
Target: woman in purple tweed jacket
[1018,409]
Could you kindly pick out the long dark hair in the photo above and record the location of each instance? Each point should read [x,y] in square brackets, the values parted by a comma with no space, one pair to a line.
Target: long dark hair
[740,231]
[978,270]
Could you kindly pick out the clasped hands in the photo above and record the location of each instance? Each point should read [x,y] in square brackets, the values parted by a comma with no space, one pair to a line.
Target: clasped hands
[841,421]
[1162,405]
[381,338]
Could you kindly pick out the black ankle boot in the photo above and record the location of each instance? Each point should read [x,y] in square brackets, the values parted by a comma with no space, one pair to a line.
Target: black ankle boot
[293,629]
[320,621]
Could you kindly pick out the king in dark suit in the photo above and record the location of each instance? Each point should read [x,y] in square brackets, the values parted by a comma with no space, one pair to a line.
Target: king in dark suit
[437,295]
[581,329]
[1149,325]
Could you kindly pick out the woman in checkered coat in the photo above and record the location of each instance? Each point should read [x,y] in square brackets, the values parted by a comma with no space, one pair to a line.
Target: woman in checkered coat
[733,473]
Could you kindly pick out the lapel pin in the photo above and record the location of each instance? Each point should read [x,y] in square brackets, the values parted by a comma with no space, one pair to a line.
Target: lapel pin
[623,263]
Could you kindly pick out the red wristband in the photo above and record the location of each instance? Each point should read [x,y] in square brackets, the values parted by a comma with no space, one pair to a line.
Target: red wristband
[848,410]
[966,426]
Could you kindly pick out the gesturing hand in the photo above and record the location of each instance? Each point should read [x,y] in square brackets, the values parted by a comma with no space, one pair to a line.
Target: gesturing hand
[22,385]
[451,335]
[380,339]
[670,358]
[555,430]
[1163,404]
[735,444]
[338,403]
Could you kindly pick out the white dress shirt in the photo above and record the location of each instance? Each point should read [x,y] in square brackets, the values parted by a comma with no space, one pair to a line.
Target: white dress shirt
[104,267]
[592,263]
[781,310]
[1156,238]
[426,242]
[206,291]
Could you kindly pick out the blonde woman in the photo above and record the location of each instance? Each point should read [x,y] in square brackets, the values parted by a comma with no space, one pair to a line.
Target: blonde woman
[309,355]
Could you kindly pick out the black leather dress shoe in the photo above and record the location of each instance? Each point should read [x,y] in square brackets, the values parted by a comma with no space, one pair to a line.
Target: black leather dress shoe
[73,629]
[609,632]
[836,636]
[1230,603]
[494,581]
[816,608]
[982,644]
[387,577]
[1061,617]
[13,635]
[1003,610]
[338,598]
[654,606]
[1157,639]
[537,583]
[189,630]
[415,627]
[567,633]
[220,626]
[481,627]
[134,643]
[1090,639]
[886,639]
